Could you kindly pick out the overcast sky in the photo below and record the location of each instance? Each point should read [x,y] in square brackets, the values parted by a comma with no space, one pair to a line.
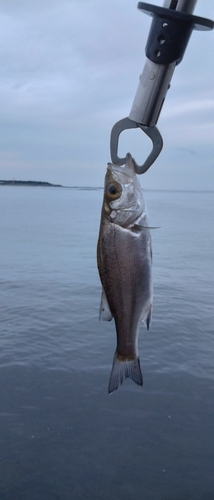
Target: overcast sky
[69,71]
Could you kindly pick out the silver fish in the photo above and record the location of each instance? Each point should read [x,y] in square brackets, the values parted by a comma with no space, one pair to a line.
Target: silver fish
[124,258]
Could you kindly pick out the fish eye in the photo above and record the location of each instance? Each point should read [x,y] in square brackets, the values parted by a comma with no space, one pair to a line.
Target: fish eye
[113,191]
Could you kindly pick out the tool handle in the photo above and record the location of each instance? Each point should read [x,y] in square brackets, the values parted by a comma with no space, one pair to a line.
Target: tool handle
[170,31]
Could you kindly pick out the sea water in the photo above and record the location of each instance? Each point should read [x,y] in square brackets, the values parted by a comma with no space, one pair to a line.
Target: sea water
[61,436]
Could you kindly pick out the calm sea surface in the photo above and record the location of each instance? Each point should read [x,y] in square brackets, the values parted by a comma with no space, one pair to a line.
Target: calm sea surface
[61,436]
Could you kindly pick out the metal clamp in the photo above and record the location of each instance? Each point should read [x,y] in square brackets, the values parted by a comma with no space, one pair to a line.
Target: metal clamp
[152,132]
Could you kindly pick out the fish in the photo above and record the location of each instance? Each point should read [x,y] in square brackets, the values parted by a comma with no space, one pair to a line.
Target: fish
[124,258]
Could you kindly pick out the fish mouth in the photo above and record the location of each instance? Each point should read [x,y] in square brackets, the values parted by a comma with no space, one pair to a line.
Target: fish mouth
[119,172]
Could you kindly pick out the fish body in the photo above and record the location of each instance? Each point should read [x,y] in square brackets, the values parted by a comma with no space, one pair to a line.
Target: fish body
[124,262]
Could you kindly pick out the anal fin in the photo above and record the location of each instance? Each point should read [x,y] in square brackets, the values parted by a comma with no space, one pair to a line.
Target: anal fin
[105,313]
[149,318]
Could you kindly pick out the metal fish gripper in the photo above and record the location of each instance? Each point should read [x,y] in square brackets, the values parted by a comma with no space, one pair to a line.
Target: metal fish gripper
[170,31]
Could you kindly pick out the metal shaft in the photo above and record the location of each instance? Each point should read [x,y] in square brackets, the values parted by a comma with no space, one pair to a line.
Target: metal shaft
[151,92]
[167,4]
[186,6]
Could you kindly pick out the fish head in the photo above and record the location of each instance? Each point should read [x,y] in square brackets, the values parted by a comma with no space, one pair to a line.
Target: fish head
[123,197]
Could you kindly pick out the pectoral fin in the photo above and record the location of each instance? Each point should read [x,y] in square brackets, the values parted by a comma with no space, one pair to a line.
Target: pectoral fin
[138,227]
[105,313]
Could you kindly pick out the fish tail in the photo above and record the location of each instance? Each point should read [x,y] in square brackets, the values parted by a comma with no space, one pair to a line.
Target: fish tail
[122,369]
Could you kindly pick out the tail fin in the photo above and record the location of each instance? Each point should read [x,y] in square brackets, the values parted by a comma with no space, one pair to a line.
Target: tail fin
[124,369]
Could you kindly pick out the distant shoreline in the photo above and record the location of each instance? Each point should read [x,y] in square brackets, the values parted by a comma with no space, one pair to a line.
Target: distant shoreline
[28,183]
[93,188]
